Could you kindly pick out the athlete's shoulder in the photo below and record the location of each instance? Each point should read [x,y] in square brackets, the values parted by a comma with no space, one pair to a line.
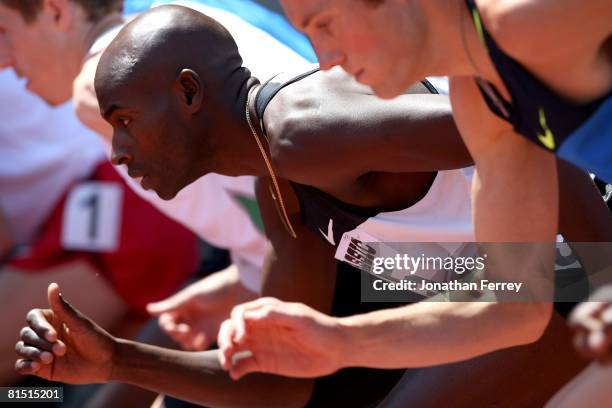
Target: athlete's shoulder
[477,124]
[524,29]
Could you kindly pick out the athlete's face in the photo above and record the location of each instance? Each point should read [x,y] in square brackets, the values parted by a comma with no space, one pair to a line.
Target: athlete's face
[373,41]
[151,136]
[35,50]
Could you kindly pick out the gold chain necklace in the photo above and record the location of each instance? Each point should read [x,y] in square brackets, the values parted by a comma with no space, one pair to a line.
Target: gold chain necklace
[276,194]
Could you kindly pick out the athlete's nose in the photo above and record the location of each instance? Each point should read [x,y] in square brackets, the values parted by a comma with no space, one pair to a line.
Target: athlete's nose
[119,158]
[327,55]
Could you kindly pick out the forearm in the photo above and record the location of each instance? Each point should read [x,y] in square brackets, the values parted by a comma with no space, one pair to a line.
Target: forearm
[197,377]
[428,333]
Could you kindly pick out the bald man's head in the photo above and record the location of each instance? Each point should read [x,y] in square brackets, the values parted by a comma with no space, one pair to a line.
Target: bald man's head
[169,85]
[154,48]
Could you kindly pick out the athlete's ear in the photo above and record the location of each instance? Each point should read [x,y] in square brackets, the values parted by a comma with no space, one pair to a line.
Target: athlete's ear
[189,87]
[60,13]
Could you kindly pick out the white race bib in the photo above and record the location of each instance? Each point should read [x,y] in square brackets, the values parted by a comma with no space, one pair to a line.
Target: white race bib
[92,217]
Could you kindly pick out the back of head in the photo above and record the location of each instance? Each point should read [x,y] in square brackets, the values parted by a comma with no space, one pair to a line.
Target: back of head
[151,51]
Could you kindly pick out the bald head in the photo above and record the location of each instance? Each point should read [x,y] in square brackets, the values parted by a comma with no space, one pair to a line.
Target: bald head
[151,51]
[173,88]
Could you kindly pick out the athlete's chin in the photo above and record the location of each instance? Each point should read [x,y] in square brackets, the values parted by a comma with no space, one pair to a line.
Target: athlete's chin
[385,91]
[165,195]
[163,191]
[50,97]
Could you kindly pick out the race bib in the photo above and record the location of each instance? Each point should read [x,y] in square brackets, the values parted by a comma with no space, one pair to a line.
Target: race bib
[92,217]
[362,251]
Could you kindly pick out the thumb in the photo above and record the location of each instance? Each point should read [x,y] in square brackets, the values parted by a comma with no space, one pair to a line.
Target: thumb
[243,365]
[64,310]
[169,304]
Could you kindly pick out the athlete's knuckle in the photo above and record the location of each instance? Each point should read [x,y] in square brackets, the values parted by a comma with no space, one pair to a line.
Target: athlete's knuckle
[24,332]
[31,315]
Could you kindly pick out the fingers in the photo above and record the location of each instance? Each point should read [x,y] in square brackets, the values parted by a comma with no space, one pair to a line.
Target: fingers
[26,367]
[33,353]
[586,315]
[238,314]
[39,322]
[232,336]
[29,337]
[226,344]
[243,365]
[168,323]
[592,322]
[64,310]
[183,333]
[169,304]
[199,342]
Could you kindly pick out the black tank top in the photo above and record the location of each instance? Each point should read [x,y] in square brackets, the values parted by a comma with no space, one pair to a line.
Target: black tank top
[536,112]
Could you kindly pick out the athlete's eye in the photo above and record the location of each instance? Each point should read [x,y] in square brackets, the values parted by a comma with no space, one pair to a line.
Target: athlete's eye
[125,122]
[323,24]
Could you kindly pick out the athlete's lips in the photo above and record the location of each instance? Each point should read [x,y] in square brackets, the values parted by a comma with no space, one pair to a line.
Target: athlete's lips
[135,173]
[145,182]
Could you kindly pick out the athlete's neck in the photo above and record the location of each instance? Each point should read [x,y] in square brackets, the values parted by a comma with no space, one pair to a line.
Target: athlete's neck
[454,48]
[236,148]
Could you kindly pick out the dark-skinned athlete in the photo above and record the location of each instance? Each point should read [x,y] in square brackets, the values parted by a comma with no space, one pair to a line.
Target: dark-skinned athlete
[327,147]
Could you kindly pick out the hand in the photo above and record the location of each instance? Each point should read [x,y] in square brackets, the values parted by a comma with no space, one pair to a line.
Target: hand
[592,324]
[289,339]
[192,316]
[61,344]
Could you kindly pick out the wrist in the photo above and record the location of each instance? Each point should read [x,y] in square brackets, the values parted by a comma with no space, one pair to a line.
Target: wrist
[350,341]
[118,366]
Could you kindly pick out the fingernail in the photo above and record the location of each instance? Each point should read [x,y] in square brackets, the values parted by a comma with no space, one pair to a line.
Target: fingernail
[50,336]
[59,348]
[46,357]
[35,366]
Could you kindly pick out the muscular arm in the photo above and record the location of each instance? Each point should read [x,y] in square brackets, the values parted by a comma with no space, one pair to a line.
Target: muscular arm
[94,356]
[300,270]
[197,377]
[414,132]
[515,200]
[426,334]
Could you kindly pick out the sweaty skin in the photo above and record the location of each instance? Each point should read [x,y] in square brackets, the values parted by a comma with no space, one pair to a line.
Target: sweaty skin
[177,115]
